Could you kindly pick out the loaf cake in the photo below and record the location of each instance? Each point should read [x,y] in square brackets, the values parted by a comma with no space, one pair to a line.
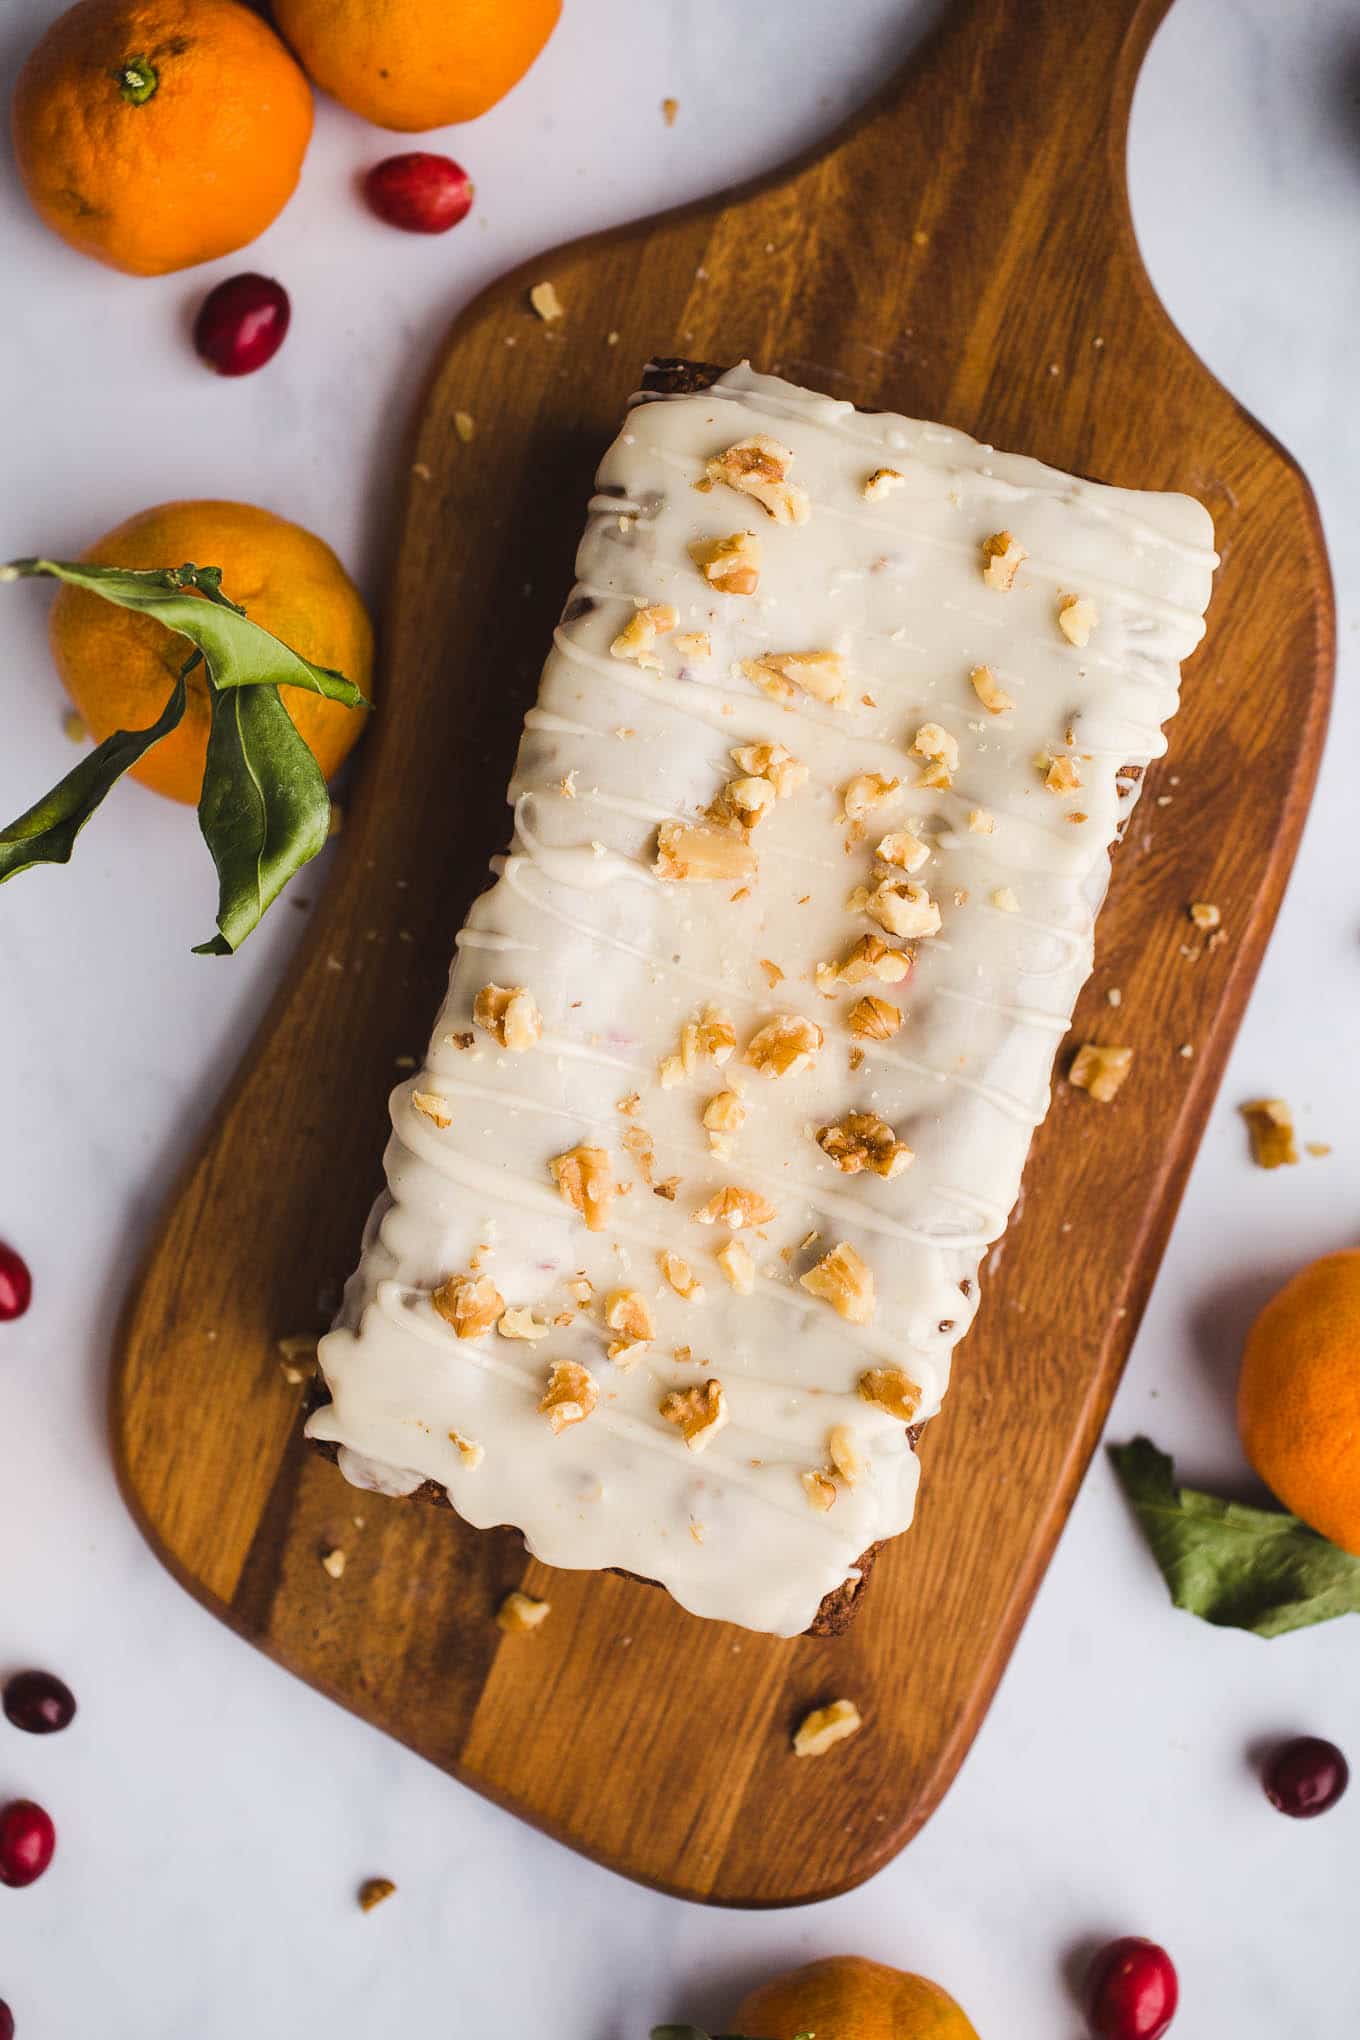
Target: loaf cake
[744,1047]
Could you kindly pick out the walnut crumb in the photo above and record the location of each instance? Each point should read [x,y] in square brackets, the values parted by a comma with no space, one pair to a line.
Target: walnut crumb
[874,1019]
[699,1413]
[1270,1127]
[1204,915]
[470,1303]
[771,761]
[434,1106]
[881,483]
[817,1732]
[693,644]
[892,1391]
[1077,618]
[570,1396]
[1002,559]
[731,564]
[510,1015]
[903,850]
[695,853]
[819,1488]
[1060,773]
[680,1276]
[864,1141]
[584,1178]
[334,1563]
[784,675]
[845,1455]
[465,425]
[519,1613]
[735,1260]
[933,742]
[1318,1147]
[1099,1070]
[842,1279]
[735,1207]
[297,1357]
[903,907]
[989,691]
[981,822]
[520,1323]
[373,1891]
[773,974]
[639,635]
[627,1312]
[866,791]
[784,1046]
[871,957]
[725,1113]
[546,303]
[758,467]
[469,1451]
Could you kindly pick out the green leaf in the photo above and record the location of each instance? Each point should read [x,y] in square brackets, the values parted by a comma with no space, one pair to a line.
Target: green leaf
[264,810]
[239,653]
[1232,1565]
[47,833]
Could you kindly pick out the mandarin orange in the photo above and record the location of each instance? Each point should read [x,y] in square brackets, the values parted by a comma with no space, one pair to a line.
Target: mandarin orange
[415,64]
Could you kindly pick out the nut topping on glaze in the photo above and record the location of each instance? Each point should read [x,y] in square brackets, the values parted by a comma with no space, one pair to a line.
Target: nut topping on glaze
[509,1015]
[470,1303]
[786,675]
[570,1396]
[874,1019]
[731,564]
[989,691]
[1077,618]
[892,1391]
[640,633]
[694,852]
[784,1046]
[864,1141]
[759,467]
[699,1413]
[844,1281]
[585,1179]
[1002,559]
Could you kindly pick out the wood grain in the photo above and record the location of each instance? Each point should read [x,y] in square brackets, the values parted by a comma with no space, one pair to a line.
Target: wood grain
[964,252]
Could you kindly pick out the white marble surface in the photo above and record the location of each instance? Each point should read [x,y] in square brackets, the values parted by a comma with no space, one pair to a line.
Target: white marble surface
[215,1815]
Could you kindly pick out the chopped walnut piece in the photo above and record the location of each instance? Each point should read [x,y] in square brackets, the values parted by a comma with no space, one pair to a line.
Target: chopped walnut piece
[731,564]
[866,791]
[700,1413]
[638,1143]
[334,1563]
[546,303]
[784,1046]
[759,467]
[1204,915]
[519,1322]
[373,1891]
[725,1113]
[692,852]
[981,822]
[1099,1070]
[881,483]
[1060,773]
[680,1276]
[640,633]
[864,1141]
[629,1314]
[470,1303]
[1004,900]
[783,675]
[771,761]
[1002,558]
[629,1103]
[1270,1126]
[818,1731]
[735,1207]
[903,849]
[931,741]
[844,1281]
[581,1289]
[584,1177]
[734,1258]
[871,957]
[519,1613]
[753,797]
[509,1015]
[989,691]
[819,1488]
[710,1038]
[570,1396]
[844,1454]
[469,1451]
[892,1391]
[1077,618]
[903,907]
[874,1019]
[693,644]
[773,974]
[434,1106]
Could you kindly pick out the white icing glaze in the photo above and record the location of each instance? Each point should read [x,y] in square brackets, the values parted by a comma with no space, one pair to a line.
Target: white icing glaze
[618,960]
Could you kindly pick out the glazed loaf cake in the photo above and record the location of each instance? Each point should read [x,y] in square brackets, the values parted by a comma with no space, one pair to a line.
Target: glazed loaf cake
[744,1048]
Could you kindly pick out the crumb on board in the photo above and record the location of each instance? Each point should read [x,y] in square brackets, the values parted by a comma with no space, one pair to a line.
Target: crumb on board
[825,1726]
[545,301]
[334,1562]
[1270,1128]
[520,1613]
[465,425]
[1099,1070]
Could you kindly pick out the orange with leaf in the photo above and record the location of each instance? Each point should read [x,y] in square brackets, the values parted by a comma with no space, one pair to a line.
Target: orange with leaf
[245,712]
[153,134]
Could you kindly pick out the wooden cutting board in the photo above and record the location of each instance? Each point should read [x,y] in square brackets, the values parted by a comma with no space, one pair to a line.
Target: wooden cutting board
[963,252]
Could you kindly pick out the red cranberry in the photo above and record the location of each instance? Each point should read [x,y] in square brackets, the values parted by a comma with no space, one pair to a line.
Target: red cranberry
[421,193]
[27,1840]
[1131,1991]
[1305,1777]
[40,1703]
[16,1289]
[6,2021]
[241,324]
